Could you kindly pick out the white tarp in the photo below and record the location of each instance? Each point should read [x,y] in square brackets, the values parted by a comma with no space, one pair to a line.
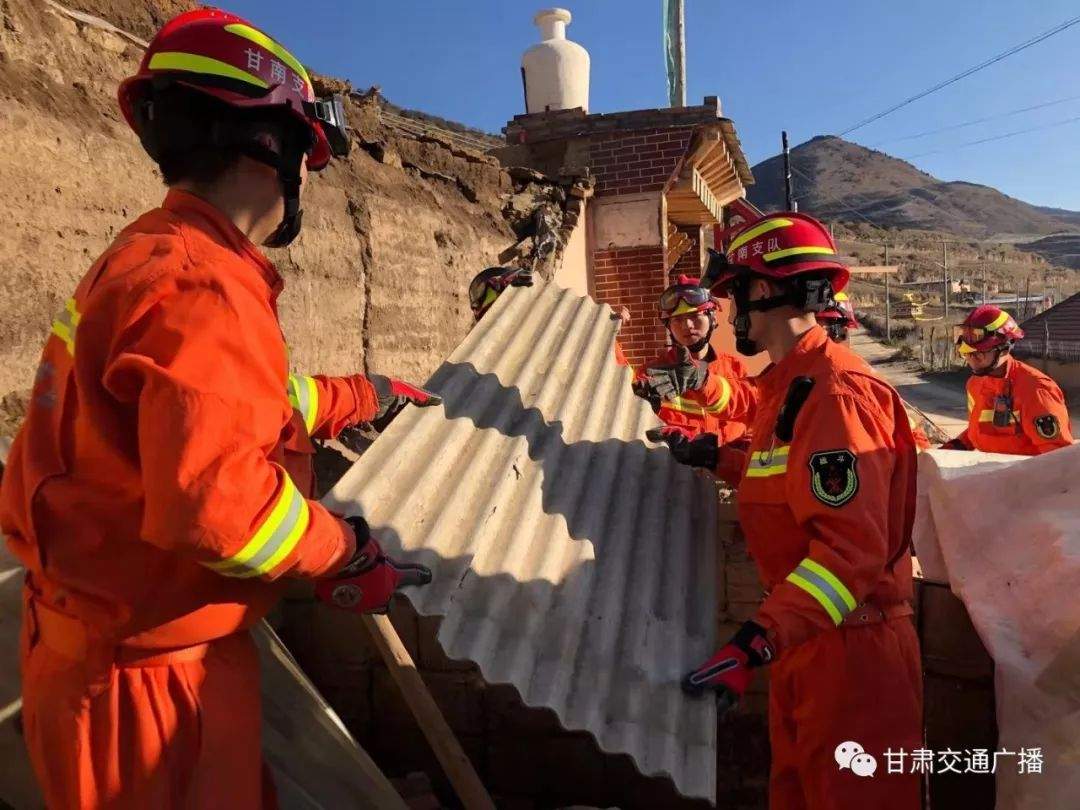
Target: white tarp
[1004,533]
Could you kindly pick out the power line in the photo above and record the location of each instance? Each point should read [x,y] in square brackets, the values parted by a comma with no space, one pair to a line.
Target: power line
[964,74]
[838,202]
[1001,137]
[977,121]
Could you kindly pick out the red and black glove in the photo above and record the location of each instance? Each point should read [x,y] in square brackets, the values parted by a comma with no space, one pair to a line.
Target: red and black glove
[702,450]
[671,380]
[370,578]
[730,671]
[394,395]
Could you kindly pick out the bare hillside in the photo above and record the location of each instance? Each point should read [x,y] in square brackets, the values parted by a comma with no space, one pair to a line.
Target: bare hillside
[832,177]
[377,280]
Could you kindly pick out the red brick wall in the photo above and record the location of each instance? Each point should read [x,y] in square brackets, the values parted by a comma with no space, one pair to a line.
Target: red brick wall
[636,161]
[633,278]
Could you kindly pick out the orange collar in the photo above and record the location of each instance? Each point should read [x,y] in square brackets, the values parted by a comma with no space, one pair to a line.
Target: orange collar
[776,377]
[208,220]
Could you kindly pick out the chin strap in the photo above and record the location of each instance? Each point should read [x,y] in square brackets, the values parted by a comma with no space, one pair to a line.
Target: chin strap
[701,344]
[808,295]
[287,165]
[990,369]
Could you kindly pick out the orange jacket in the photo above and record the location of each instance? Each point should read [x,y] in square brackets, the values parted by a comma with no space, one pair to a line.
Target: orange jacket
[828,515]
[155,488]
[718,408]
[1039,421]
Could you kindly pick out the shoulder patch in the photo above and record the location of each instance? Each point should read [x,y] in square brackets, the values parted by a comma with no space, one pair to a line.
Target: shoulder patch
[833,479]
[1047,426]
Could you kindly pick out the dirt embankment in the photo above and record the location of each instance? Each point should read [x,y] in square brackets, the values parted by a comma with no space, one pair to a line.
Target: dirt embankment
[377,280]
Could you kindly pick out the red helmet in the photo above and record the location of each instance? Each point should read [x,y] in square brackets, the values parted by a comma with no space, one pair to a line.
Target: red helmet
[224,56]
[986,327]
[840,311]
[684,297]
[779,246]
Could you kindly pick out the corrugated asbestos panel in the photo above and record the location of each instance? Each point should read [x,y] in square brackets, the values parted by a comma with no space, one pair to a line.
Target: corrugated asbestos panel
[571,559]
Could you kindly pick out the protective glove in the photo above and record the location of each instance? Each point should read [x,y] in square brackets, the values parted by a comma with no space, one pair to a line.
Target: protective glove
[954,444]
[693,451]
[513,277]
[671,380]
[370,578]
[394,395]
[730,671]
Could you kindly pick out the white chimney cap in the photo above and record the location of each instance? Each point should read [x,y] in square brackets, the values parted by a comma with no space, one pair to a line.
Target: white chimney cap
[552,14]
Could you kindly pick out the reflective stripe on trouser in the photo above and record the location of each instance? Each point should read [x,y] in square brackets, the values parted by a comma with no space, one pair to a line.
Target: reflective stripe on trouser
[278,534]
[825,587]
[304,396]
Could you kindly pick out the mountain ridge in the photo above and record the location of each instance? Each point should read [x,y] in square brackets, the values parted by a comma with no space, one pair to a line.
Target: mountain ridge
[837,179]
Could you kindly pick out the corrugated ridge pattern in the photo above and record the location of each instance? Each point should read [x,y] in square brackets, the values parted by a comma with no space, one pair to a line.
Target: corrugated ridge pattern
[571,559]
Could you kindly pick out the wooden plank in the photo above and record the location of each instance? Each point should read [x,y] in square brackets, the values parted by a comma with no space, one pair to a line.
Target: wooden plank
[456,765]
[315,761]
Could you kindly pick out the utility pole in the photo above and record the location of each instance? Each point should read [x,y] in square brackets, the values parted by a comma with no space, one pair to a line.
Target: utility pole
[888,304]
[1027,298]
[945,275]
[680,40]
[787,173]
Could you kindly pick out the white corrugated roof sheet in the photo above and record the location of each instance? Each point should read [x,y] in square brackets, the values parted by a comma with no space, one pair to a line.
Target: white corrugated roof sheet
[572,559]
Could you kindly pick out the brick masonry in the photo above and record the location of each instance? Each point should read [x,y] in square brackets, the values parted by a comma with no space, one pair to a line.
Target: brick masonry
[636,161]
[634,278]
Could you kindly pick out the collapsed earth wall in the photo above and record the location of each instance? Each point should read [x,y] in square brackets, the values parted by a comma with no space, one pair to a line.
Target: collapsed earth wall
[377,281]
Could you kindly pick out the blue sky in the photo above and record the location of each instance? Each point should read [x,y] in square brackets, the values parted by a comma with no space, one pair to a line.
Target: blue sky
[810,67]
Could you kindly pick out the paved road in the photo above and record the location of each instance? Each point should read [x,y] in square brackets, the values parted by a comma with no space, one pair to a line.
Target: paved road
[940,396]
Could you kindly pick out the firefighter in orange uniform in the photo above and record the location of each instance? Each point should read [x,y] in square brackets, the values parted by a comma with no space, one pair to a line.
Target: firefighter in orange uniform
[688,311]
[158,491]
[826,501]
[1012,407]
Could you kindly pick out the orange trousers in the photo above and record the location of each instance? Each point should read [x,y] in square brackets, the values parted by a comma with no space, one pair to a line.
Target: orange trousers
[854,684]
[172,731]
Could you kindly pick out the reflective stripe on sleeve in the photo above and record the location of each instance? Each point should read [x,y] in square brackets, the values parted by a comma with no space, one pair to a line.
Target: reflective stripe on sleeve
[304,396]
[65,323]
[825,587]
[684,405]
[276,536]
[988,416]
[764,463]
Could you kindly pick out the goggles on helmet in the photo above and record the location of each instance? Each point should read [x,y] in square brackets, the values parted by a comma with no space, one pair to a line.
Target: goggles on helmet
[691,296]
[330,113]
[971,334]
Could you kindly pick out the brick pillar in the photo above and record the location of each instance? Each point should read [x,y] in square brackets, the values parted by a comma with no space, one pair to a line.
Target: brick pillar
[634,278]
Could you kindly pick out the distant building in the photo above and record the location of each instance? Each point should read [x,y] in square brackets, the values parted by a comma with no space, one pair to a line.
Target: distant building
[1052,342]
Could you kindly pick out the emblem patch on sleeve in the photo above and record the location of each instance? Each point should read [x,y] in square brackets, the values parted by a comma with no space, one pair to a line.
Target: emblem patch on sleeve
[1047,426]
[833,479]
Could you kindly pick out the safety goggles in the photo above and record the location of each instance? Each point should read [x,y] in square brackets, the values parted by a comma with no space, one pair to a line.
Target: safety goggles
[330,113]
[691,296]
[970,334]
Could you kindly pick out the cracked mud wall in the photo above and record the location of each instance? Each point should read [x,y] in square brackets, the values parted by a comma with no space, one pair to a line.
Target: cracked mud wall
[377,281]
